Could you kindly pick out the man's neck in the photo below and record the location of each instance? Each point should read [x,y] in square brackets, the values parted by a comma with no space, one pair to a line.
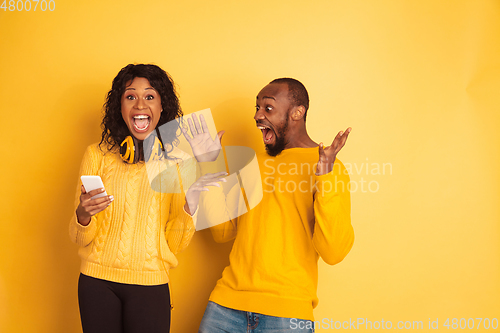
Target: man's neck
[300,140]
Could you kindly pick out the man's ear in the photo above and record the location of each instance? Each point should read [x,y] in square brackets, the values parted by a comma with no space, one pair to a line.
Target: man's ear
[298,112]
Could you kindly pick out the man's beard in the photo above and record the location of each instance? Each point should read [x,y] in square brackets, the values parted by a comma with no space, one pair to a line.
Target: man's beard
[279,142]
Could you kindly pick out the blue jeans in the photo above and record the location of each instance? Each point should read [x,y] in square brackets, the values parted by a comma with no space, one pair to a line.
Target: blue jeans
[219,319]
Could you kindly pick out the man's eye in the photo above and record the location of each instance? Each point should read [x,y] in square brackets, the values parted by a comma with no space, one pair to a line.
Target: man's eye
[268,108]
[150,97]
[257,108]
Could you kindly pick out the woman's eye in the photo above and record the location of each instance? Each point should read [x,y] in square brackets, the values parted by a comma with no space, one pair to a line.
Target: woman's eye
[130,97]
[149,97]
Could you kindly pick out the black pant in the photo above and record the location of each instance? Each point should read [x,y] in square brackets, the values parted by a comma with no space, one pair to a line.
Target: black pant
[111,307]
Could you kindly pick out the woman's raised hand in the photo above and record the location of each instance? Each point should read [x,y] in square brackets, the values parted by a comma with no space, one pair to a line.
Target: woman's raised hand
[205,149]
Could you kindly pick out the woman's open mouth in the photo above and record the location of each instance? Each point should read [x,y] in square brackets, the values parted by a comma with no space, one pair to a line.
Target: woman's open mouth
[141,122]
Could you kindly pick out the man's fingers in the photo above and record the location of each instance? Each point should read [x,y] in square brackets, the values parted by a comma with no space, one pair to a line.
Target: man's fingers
[340,139]
[344,138]
[343,134]
[321,151]
[336,138]
[346,133]
[321,148]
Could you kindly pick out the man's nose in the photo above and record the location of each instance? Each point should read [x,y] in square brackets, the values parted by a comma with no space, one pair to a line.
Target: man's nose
[258,115]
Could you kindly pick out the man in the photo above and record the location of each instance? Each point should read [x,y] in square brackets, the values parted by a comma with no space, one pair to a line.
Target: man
[271,282]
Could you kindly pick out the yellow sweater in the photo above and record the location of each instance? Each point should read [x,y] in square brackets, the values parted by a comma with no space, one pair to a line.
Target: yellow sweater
[135,239]
[274,260]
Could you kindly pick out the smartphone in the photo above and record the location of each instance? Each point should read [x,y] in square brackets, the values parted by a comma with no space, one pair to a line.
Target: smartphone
[91,183]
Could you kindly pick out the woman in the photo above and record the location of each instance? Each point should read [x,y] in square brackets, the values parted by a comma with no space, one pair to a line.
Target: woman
[129,238]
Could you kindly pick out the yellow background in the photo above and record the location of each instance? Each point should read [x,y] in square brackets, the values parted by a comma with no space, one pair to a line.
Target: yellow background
[418,81]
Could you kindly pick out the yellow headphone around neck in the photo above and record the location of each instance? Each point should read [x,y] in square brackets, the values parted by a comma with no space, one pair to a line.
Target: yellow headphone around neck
[127,149]
[130,148]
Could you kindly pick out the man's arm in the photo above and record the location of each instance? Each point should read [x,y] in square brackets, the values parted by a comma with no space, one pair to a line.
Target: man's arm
[333,233]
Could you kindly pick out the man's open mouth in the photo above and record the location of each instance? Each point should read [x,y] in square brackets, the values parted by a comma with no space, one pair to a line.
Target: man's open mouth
[267,133]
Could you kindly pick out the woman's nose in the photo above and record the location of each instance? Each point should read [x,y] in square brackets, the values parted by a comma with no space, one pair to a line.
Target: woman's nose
[140,104]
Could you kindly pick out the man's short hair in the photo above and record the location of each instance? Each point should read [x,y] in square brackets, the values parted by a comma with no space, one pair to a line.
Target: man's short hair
[296,92]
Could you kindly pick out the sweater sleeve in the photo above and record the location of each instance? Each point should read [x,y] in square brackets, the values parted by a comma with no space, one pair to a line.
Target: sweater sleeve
[216,206]
[220,211]
[333,233]
[224,232]
[181,226]
[80,234]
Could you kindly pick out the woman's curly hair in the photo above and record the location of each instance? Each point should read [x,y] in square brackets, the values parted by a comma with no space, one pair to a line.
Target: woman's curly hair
[114,128]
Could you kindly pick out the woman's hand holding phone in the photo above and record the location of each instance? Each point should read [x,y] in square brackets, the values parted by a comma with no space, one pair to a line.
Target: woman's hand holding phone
[88,207]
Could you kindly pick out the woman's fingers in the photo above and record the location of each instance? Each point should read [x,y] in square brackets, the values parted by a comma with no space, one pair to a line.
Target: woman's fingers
[214,175]
[94,206]
[186,134]
[98,201]
[95,192]
[197,124]
[204,124]
[100,207]
[191,127]
[88,207]
[209,179]
[209,182]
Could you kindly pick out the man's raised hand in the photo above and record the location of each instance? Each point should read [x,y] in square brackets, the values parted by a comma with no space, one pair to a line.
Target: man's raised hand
[327,155]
